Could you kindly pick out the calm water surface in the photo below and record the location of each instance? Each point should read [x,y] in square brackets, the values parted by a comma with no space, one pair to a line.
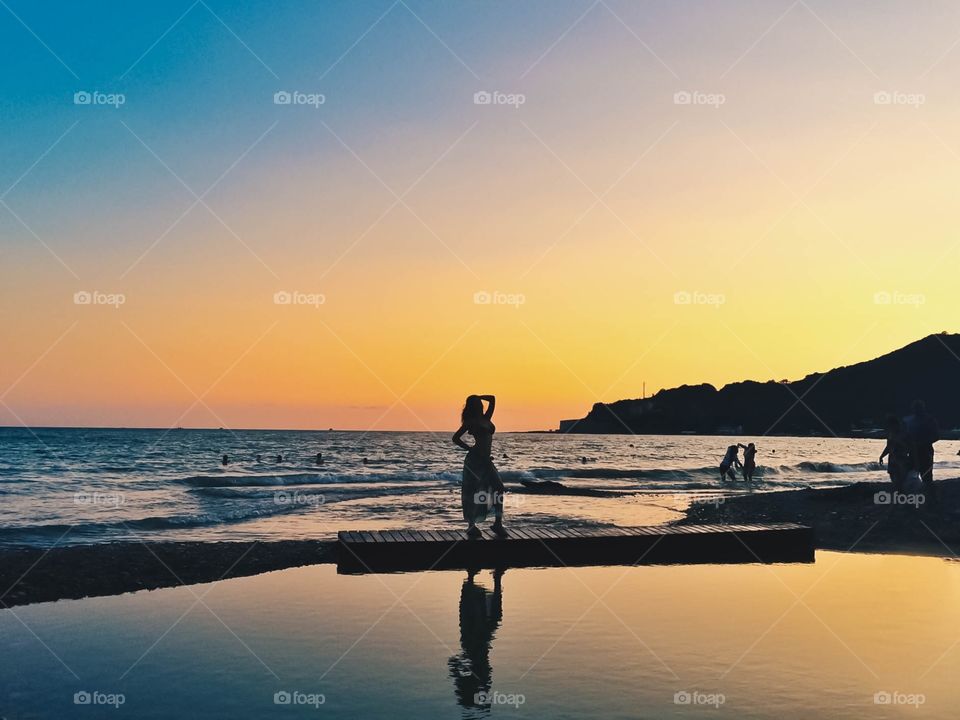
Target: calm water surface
[828,639]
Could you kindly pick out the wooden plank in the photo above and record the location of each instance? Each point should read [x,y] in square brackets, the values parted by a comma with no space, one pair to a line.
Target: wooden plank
[519,533]
[400,550]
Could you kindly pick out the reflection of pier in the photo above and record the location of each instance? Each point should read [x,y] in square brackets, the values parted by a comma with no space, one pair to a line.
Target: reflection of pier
[396,550]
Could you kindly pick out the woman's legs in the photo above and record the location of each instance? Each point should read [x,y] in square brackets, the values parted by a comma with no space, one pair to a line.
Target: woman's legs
[497,488]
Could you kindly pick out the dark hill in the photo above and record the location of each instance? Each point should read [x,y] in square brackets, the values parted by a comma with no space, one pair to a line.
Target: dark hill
[845,401]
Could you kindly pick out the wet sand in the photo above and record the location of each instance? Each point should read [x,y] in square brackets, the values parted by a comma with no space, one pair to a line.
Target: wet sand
[30,575]
[846,519]
[850,519]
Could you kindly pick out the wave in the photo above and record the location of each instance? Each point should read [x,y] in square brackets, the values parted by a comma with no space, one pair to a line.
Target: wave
[274,480]
[664,474]
[829,467]
[153,523]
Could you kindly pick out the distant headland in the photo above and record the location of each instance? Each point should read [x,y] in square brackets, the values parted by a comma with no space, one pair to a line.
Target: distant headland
[850,401]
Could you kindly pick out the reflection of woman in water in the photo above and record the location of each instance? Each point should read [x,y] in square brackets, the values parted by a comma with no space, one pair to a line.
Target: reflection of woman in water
[480,615]
[482,487]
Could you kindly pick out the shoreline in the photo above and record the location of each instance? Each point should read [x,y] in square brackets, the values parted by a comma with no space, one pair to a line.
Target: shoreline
[845,519]
[848,519]
[32,575]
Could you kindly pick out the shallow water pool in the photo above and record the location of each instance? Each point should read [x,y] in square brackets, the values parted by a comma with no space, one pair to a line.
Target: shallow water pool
[850,636]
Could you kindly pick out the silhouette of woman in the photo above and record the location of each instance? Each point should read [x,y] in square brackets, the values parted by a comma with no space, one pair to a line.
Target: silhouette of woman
[482,487]
[480,614]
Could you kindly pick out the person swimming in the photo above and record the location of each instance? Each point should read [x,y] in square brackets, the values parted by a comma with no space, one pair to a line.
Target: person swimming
[749,460]
[279,458]
[482,487]
[730,459]
[226,460]
[319,458]
[259,457]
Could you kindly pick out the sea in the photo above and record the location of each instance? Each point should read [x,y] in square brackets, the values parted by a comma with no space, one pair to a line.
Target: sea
[84,486]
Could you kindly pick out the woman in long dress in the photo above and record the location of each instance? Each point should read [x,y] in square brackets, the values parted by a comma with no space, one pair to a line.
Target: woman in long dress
[482,487]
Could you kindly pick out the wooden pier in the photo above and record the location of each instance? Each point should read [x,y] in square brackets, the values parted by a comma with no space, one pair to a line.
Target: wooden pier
[409,550]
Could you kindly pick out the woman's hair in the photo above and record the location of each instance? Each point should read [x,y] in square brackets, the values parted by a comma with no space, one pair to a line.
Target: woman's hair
[472,409]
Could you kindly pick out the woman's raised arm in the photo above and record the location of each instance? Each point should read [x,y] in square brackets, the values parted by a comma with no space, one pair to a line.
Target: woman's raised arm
[491,404]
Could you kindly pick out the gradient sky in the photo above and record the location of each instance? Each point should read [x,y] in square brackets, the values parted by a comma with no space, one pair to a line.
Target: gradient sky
[789,214]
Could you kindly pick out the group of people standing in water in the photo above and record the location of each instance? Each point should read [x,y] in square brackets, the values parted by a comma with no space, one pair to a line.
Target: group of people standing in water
[909,448]
[731,460]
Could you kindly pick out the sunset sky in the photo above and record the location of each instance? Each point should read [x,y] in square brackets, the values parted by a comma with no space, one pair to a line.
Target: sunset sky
[790,168]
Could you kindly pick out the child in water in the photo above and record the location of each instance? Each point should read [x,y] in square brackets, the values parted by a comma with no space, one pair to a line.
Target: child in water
[730,459]
[749,460]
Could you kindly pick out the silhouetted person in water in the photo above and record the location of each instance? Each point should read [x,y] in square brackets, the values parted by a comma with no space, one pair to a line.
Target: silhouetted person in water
[480,614]
[259,458]
[319,458]
[922,432]
[749,460]
[898,452]
[225,461]
[729,459]
[482,486]
[279,458]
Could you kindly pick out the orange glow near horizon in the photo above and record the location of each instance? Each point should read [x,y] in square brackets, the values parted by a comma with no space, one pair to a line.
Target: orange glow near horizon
[785,215]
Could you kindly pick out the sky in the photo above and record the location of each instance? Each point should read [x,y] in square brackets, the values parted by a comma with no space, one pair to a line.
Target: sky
[354,214]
